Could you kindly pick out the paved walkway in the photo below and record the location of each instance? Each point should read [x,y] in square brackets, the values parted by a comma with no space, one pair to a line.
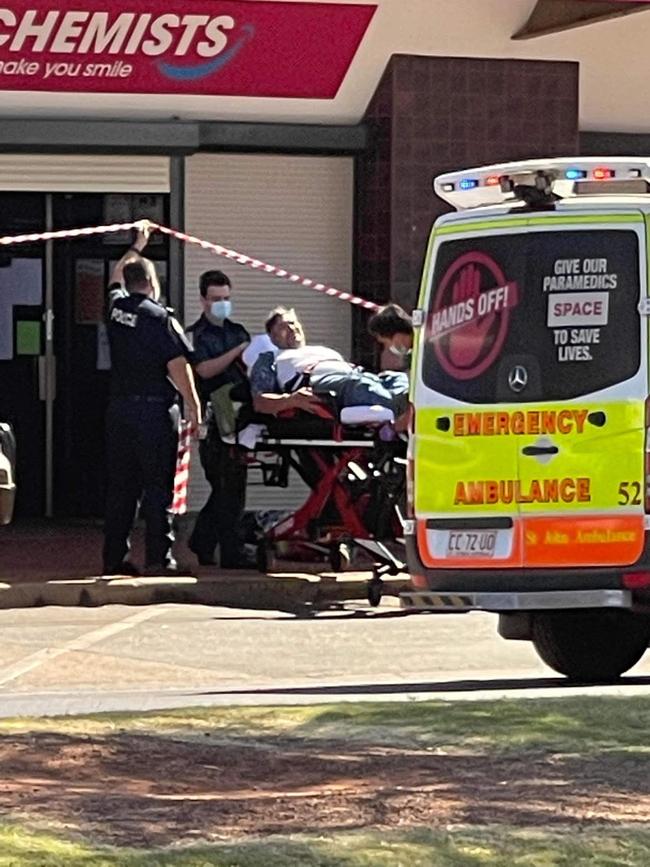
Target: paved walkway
[48,563]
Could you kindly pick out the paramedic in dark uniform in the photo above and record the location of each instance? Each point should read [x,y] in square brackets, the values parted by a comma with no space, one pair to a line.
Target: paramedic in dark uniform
[218,345]
[149,370]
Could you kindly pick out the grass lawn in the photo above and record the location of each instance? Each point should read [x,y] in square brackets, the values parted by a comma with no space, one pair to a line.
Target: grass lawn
[530,782]
[420,848]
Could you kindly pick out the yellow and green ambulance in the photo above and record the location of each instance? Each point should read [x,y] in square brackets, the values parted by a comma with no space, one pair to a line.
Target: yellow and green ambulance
[528,462]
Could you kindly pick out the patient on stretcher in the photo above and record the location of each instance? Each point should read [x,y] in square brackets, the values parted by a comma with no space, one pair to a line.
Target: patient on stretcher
[301,376]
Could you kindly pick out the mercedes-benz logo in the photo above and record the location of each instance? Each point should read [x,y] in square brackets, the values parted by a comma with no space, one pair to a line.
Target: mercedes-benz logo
[518,378]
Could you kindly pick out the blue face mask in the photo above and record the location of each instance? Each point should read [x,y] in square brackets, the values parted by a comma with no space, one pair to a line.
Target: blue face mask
[221,309]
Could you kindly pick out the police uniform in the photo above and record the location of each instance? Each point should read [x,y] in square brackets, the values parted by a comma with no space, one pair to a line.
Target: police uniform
[224,465]
[141,426]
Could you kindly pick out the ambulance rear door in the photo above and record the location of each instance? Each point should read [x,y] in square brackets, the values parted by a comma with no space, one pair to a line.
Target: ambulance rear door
[577,362]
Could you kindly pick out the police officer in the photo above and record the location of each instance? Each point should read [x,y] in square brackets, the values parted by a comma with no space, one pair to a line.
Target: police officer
[149,369]
[218,346]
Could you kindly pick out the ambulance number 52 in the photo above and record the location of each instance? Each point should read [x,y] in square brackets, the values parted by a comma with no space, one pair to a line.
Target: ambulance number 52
[629,494]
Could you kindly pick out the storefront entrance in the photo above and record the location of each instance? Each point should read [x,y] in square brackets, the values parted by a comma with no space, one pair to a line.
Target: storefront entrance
[54,357]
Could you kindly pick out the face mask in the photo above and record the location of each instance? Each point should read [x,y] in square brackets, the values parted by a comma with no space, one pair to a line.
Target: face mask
[399,351]
[221,309]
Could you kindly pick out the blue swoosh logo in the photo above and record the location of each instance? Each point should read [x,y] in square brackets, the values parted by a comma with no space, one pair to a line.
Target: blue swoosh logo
[201,70]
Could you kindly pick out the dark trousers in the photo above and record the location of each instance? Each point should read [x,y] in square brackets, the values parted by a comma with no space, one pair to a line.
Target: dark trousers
[219,521]
[142,442]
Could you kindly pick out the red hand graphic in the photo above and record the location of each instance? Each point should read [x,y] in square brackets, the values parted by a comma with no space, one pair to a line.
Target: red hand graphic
[468,341]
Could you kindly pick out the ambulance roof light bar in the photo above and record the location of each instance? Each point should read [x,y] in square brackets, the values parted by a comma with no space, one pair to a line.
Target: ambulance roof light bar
[543,180]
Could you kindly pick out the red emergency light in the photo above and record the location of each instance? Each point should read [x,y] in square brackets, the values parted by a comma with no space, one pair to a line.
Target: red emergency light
[601,174]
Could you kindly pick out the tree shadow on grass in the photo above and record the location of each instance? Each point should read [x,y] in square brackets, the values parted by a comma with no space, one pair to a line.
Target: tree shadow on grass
[149,790]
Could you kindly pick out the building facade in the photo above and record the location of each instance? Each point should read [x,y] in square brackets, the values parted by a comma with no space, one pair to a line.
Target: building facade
[305,134]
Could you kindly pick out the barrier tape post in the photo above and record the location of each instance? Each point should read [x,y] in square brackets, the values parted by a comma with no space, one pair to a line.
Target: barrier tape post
[182,475]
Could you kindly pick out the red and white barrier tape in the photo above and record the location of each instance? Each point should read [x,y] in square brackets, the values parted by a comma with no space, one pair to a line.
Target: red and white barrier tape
[8,240]
[273,270]
[182,474]
[217,249]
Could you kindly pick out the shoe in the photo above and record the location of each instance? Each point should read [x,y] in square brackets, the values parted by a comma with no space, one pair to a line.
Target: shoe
[125,568]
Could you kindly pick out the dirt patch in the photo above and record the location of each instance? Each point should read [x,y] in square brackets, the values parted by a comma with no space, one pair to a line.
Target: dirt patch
[149,790]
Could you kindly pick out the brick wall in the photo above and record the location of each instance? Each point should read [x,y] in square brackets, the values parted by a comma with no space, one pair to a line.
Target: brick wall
[434,114]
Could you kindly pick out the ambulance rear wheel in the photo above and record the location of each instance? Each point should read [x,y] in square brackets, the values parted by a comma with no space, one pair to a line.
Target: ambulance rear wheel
[591,646]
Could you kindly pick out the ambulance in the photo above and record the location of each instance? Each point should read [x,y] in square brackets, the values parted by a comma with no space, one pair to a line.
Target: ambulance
[529,464]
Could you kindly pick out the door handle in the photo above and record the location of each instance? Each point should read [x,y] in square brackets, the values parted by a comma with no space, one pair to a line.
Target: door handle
[532,451]
[443,423]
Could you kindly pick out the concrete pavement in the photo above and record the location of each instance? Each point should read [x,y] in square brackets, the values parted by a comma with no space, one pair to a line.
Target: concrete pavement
[286,639]
[45,563]
[72,660]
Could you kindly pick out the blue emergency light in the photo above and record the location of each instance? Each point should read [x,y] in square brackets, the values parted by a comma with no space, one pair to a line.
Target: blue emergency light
[575,174]
[537,181]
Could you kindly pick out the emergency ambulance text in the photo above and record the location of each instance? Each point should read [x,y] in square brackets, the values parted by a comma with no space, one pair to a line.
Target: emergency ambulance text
[492,492]
[519,423]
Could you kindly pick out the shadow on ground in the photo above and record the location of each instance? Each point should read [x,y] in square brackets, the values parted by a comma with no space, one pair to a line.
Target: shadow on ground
[153,790]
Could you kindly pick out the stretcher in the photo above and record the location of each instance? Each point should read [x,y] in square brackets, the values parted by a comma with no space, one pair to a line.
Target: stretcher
[355,471]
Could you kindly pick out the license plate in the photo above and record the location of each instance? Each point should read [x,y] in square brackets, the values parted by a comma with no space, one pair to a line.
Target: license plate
[467,544]
[472,543]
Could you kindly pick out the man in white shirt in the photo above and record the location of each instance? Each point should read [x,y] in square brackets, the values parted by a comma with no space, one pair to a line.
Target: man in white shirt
[300,372]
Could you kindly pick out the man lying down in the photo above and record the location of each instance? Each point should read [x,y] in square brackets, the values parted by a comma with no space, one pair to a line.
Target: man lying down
[298,374]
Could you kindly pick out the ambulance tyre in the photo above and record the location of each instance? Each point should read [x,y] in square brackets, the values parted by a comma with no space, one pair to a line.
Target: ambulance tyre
[591,646]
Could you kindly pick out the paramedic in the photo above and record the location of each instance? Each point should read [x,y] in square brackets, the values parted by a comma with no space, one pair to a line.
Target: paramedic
[149,370]
[218,344]
[392,328]
[300,372]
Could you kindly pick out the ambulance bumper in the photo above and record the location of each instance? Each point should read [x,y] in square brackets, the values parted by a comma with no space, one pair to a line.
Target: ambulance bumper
[507,582]
[423,600]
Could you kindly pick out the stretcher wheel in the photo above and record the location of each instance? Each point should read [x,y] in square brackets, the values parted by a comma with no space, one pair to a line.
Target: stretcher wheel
[340,557]
[375,591]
